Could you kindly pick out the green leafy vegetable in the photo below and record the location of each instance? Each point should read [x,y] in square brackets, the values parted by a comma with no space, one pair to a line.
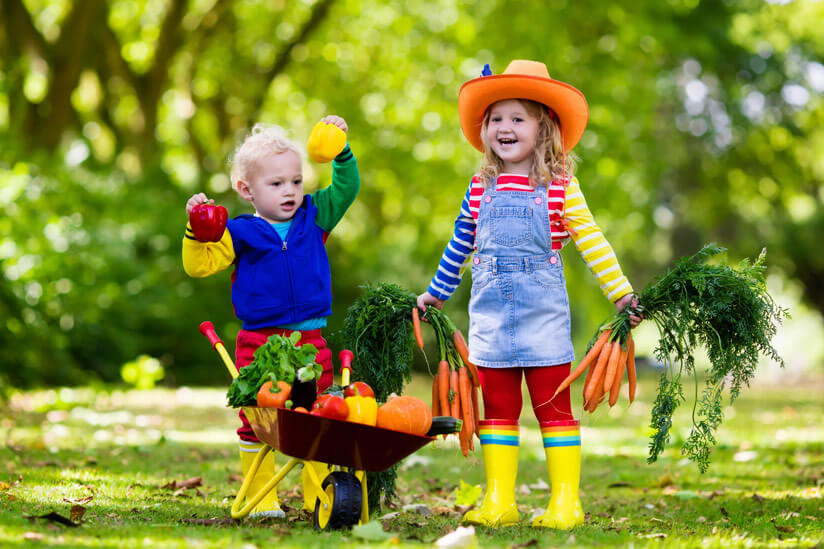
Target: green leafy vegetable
[279,359]
[378,331]
[726,310]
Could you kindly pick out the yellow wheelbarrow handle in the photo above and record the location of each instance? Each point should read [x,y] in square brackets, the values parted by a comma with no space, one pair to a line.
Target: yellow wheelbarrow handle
[208,329]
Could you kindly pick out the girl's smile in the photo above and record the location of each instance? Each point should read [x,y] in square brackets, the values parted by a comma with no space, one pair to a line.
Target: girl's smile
[512,134]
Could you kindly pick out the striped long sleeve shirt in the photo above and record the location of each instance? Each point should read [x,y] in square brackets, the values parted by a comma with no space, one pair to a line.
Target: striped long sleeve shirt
[569,218]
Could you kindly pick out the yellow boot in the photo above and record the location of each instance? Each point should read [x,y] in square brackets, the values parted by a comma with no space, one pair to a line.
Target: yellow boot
[562,445]
[269,505]
[499,445]
[310,487]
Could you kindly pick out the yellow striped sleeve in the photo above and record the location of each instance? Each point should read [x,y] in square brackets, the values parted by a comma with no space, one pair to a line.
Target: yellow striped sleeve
[201,259]
[593,246]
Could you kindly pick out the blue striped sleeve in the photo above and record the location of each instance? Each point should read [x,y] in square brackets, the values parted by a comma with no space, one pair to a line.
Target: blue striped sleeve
[456,255]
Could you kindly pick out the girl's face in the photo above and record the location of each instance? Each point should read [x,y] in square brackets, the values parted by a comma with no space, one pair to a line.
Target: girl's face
[275,186]
[512,134]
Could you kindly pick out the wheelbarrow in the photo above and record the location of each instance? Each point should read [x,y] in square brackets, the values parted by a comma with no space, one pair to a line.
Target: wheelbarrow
[350,449]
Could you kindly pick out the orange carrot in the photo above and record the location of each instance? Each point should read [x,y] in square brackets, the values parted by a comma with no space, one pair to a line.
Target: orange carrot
[598,374]
[443,386]
[631,367]
[465,386]
[599,343]
[436,399]
[596,402]
[455,395]
[586,384]
[416,325]
[463,350]
[465,436]
[619,374]
[612,364]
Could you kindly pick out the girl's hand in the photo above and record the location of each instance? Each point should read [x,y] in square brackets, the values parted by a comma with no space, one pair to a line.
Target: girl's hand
[336,121]
[196,199]
[630,300]
[428,299]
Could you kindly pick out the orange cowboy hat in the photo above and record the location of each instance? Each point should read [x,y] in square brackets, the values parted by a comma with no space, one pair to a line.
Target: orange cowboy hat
[522,79]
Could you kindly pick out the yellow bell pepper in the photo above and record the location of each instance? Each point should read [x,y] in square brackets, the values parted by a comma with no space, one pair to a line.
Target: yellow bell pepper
[325,142]
[362,410]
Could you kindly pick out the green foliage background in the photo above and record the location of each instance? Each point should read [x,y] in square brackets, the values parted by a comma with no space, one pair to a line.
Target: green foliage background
[705,124]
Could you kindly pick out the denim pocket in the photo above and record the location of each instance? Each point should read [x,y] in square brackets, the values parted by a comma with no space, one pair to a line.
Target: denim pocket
[511,225]
[481,277]
[547,278]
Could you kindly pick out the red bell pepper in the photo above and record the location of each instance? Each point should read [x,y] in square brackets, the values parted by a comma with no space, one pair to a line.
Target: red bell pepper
[208,222]
[332,406]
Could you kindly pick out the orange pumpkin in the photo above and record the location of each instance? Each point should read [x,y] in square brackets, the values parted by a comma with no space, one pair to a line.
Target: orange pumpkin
[405,413]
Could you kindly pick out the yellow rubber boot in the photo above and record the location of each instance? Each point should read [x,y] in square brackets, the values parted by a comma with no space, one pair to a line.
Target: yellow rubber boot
[310,488]
[499,445]
[269,505]
[562,445]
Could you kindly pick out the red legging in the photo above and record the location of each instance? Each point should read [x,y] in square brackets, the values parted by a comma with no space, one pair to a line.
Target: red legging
[247,344]
[502,392]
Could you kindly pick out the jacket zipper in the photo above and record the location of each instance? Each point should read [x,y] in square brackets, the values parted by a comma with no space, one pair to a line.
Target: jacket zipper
[288,268]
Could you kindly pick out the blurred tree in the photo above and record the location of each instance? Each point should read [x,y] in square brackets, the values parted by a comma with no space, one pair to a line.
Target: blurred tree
[705,124]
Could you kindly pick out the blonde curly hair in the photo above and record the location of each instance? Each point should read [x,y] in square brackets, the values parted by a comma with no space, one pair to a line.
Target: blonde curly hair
[262,140]
[548,160]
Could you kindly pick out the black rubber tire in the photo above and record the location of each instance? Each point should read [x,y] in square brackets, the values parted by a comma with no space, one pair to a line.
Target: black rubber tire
[347,501]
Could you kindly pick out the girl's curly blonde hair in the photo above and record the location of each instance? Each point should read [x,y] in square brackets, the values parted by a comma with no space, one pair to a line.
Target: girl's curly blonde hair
[263,139]
[548,160]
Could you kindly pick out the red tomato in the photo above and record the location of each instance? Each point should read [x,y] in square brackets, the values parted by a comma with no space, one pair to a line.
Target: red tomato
[358,388]
[332,406]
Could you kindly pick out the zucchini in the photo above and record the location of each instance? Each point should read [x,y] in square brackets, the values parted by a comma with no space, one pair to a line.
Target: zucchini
[444,425]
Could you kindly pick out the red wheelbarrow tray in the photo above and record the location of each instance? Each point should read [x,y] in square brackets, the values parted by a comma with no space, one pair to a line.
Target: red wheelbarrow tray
[344,443]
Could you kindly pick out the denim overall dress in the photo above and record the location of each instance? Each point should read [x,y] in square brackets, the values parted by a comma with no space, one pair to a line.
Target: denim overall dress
[519,308]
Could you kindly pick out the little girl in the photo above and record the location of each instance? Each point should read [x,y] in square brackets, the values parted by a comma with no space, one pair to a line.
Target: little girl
[517,214]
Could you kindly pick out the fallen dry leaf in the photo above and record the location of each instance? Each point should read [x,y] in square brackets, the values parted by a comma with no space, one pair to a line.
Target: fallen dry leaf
[76,512]
[80,501]
[182,485]
[782,528]
[33,536]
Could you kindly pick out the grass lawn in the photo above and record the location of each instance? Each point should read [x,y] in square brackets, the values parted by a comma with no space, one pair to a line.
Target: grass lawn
[112,456]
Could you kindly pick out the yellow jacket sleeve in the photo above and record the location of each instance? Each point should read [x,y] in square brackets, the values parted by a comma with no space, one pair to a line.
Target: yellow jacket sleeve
[593,246]
[202,259]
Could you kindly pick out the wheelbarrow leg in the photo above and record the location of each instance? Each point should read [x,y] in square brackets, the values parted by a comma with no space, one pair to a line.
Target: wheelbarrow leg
[238,509]
[364,517]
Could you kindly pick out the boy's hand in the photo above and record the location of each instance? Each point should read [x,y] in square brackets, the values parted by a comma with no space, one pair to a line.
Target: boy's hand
[428,299]
[196,199]
[627,301]
[336,121]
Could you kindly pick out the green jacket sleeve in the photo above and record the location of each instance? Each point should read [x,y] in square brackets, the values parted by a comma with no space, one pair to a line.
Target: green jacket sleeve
[333,201]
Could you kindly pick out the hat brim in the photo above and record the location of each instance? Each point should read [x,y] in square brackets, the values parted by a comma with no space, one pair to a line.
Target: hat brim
[567,102]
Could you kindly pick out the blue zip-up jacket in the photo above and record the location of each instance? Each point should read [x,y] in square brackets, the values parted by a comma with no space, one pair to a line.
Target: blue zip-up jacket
[277,281]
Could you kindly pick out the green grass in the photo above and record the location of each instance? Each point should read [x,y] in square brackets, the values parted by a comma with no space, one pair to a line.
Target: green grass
[118,449]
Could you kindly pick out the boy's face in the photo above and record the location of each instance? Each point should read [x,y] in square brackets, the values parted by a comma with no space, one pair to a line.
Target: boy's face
[275,186]
[512,134]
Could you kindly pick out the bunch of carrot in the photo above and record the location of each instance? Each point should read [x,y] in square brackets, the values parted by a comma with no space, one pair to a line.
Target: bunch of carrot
[611,354]
[456,382]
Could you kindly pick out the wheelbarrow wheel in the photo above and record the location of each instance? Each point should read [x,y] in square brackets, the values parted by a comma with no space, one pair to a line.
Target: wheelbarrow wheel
[345,502]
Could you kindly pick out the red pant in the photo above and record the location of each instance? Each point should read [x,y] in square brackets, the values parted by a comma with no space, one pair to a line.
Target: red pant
[248,342]
[502,392]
